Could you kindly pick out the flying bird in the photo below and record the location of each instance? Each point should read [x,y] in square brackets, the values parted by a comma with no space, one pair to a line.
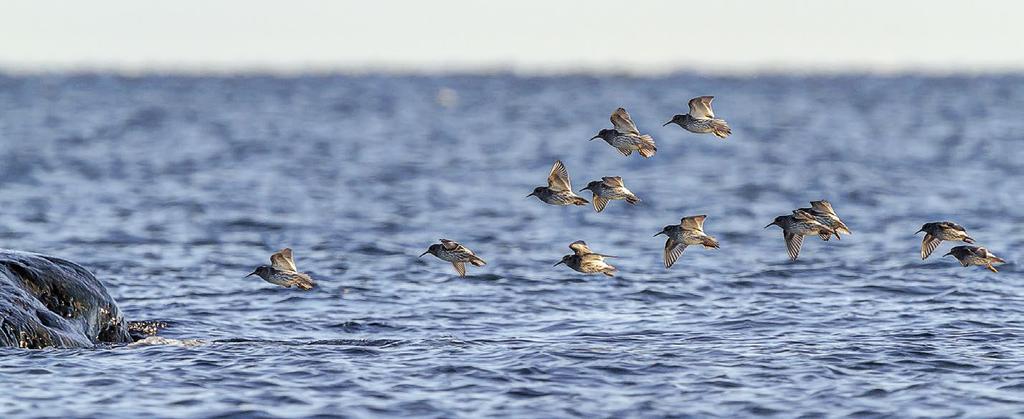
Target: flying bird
[701,119]
[974,255]
[609,188]
[796,226]
[625,137]
[457,254]
[689,231]
[935,233]
[282,271]
[586,261]
[559,189]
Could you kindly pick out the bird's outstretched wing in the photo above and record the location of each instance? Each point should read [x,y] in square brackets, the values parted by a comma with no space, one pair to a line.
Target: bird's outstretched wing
[282,260]
[823,206]
[700,107]
[801,215]
[695,222]
[793,244]
[623,123]
[580,247]
[450,244]
[928,245]
[460,268]
[613,181]
[558,179]
[673,250]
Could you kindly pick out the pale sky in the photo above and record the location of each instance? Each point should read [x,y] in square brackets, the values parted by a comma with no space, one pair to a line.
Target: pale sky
[525,35]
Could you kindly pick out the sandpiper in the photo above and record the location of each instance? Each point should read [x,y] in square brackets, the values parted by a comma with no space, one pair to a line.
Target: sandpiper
[609,188]
[796,226]
[282,271]
[585,260]
[559,189]
[823,212]
[689,231]
[701,119]
[457,254]
[935,233]
[974,255]
[626,137]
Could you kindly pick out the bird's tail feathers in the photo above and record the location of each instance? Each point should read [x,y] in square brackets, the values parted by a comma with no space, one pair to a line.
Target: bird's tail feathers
[647,147]
[720,128]
[305,284]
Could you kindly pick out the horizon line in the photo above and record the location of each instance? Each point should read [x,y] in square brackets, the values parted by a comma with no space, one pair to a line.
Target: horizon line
[408,69]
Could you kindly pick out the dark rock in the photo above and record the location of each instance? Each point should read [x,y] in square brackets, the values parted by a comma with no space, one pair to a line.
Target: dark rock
[50,302]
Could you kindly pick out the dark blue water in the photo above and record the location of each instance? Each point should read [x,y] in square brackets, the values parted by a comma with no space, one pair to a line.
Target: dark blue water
[172,189]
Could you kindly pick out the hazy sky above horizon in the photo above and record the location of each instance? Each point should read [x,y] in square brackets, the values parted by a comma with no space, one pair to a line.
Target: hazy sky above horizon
[529,35]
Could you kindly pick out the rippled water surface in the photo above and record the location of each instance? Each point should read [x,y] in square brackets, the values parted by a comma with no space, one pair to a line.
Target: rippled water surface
[172,189]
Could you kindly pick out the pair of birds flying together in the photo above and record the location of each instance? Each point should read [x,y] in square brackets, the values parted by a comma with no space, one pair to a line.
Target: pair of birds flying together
[559,190]
[626,137]
[935,233]
[818,220]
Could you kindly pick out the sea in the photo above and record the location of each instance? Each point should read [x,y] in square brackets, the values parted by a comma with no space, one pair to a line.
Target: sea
[172,188]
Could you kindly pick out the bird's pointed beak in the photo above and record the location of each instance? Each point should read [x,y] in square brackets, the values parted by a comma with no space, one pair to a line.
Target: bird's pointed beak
[968,240]
[421,254]
[595,137]
[251,274]
[666,124]
[659,233]
[769,225]
[559,263]
[998,259]
[581,190]
[531,194]
[947,254]
[918,231]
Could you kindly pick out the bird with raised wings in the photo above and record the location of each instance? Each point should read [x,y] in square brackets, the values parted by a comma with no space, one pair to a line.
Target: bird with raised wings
[587,261]
[282,271]
[625,137]
[607,189]
[457,254]
[559,189]
[701,119]
[823,212]
[689,231]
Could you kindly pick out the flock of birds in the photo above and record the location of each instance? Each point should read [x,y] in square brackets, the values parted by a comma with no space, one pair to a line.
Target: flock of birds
[820,219]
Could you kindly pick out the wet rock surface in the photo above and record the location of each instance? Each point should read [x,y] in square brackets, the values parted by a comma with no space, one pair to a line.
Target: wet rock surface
[51,302]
